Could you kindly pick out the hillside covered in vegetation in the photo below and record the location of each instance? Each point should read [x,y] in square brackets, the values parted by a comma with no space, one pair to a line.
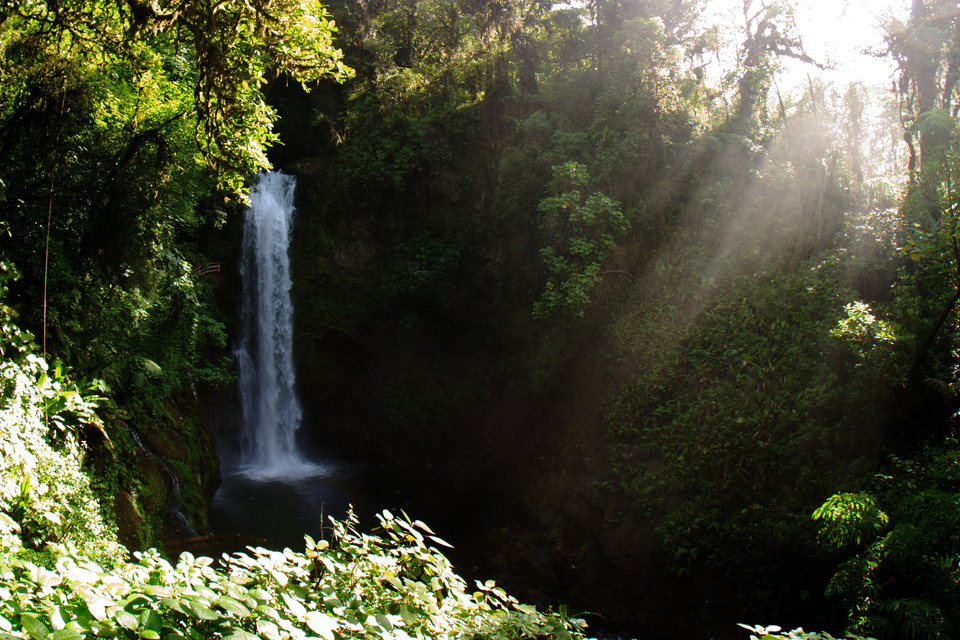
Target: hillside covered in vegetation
[676,342]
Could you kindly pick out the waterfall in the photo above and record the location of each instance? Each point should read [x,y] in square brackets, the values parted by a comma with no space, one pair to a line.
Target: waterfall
[269,409]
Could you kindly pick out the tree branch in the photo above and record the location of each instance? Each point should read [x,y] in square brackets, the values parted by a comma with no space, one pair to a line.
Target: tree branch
[619,272]
[928,342]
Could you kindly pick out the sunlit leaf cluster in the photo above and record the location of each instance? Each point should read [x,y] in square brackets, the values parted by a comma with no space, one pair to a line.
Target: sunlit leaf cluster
[222,54]
[775,632]
[357,585]
[902,577]
[47,506]
[865,334]
[584,230]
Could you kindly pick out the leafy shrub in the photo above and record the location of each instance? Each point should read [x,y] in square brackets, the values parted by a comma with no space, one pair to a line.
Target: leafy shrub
[900,577]
[849,518]
[46,503]
[584,230]
[774,632]
[358,585]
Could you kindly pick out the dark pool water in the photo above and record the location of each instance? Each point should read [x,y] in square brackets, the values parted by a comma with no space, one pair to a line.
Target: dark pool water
[280,511]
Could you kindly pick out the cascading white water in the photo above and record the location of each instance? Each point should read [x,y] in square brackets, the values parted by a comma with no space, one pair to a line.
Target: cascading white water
[269,407]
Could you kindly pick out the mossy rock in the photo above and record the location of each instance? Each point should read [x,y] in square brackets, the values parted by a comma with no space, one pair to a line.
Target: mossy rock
[131,525]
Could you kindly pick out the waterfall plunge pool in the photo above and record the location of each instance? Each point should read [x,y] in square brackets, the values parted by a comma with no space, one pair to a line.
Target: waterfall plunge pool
[281,511]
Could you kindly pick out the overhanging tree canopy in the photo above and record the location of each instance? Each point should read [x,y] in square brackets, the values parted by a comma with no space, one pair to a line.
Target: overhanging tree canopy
[228,45]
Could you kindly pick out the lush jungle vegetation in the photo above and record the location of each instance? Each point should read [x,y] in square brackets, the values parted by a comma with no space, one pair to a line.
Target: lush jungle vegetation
[687,341]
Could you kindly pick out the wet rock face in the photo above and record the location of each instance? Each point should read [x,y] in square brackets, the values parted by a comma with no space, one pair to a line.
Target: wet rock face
[138,509]
[221,412]
[178,473]
[130,523]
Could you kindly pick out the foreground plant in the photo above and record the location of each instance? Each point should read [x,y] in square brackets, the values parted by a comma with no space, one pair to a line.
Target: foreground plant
[391,585]
[774,632]
[899,573]
[47,504]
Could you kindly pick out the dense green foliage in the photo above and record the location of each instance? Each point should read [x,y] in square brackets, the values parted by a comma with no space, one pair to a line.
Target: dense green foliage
[899,578]
[216,55]
[47,506]
[357,585]
[585,228]
[545,251]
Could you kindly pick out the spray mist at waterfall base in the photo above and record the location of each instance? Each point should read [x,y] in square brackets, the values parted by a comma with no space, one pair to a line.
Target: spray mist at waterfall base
[280,510]
[292,468]
[279,504]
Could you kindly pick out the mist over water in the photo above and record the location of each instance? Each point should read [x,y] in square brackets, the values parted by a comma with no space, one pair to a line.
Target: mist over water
[269,408]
